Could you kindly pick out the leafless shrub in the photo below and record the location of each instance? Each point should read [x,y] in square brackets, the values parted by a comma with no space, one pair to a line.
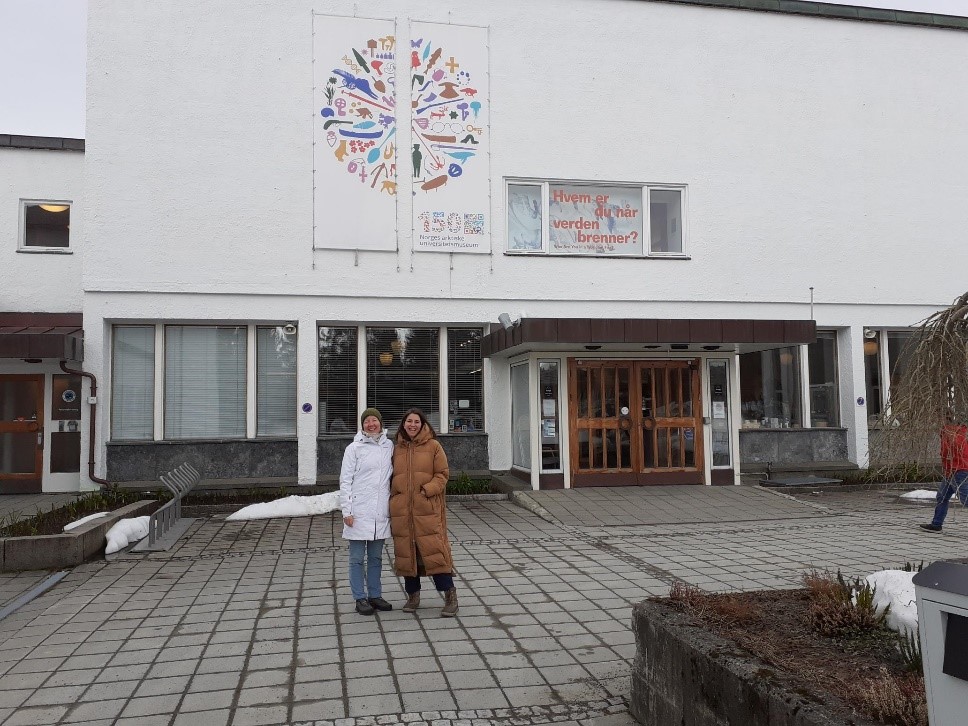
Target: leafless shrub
[934,383]
[842,609]
[724,608]
[899,701]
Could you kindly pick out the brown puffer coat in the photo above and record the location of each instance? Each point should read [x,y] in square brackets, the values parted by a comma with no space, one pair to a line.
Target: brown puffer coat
[418,513]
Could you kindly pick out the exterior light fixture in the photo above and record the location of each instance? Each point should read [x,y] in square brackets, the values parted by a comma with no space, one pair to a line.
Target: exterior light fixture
[593,347]
[54,207]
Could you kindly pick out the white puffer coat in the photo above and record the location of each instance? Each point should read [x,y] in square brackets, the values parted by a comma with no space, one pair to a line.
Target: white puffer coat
[364,486]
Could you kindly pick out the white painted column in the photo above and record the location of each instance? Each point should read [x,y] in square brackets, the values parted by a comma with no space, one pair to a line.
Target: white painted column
[850,361]
[307,423]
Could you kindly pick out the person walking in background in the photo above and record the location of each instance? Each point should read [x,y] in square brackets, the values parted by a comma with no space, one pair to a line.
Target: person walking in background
[418,512]
[954,467]
[364,494]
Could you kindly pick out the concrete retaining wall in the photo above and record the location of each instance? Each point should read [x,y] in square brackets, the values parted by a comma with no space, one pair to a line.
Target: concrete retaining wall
[683,674]
[53,551]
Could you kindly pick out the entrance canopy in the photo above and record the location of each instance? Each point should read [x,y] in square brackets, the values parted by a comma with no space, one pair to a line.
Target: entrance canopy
[657,335]
[42,335]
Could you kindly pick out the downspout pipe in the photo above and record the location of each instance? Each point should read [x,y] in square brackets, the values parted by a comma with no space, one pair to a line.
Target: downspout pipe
[90,454]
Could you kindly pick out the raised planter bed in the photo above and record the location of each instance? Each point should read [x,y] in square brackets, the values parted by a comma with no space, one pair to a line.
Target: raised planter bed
[52,551]
[684,674]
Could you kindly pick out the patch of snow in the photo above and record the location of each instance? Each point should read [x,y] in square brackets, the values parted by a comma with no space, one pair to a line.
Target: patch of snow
[920,494]
[124,532]
[896,587]
[294,506]
[84,520]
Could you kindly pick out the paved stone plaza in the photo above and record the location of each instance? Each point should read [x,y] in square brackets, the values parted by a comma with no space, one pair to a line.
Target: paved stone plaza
[253,623]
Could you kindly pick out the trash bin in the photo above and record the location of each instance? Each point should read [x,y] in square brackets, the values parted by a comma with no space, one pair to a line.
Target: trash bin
[942,600]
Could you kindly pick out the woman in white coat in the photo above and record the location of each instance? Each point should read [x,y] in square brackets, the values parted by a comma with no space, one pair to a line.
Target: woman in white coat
[364,495]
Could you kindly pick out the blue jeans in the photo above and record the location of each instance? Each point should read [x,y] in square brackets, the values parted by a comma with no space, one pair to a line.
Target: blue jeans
[373,549]
[957,483]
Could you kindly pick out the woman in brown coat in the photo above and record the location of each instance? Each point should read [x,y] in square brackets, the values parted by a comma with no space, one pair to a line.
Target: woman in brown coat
[418,512]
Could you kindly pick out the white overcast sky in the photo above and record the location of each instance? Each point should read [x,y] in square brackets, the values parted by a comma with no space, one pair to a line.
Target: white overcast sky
[42,54]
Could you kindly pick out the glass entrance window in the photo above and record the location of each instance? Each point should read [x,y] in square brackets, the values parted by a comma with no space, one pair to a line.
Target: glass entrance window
[520,417]
[719,415]
[550,420]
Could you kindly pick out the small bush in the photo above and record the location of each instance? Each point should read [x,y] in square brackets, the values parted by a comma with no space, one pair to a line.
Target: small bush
[725,608]
[464,484]
[900,701]
[841,609]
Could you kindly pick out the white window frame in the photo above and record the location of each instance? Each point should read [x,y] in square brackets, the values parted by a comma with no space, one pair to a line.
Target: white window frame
[22,229]
[647,188]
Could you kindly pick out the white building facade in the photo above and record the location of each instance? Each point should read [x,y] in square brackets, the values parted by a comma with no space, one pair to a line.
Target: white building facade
[708,229]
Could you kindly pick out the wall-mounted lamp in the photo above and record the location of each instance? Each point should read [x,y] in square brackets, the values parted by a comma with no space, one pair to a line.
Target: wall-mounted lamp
[290,328]
[870,334]
[505,320]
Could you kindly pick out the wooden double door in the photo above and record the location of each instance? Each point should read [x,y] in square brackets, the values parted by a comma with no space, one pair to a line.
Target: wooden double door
[635,422]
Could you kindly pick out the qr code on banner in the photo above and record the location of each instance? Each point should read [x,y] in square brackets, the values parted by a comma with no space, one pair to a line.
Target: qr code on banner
[473,224]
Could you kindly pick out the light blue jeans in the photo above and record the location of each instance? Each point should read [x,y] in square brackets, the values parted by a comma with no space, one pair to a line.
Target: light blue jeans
[957,484]
[373,551]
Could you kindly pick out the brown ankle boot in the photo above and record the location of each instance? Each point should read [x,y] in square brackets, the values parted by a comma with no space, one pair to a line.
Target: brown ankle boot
[413,602]
[450,603]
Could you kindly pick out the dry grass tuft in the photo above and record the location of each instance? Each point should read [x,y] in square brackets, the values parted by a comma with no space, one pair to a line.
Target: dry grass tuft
[899,701]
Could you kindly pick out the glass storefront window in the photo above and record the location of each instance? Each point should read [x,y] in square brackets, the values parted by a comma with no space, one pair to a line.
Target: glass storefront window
[337,380]
[719,414]
[824,391]
[770,388]
[403,372]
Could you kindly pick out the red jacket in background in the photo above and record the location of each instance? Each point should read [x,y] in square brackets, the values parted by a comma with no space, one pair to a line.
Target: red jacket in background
[954,449]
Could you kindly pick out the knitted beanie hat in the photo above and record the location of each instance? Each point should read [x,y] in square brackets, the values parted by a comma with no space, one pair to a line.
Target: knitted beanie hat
[371,412]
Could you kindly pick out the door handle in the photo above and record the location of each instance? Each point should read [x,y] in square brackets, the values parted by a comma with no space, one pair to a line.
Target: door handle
[40,437]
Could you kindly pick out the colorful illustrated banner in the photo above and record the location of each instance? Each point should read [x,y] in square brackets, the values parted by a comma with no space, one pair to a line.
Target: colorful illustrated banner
[595,220]
[450,157]
[354,133]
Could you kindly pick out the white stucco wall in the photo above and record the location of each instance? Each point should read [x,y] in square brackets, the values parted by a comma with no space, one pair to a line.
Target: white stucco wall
[39,281]
[816,152]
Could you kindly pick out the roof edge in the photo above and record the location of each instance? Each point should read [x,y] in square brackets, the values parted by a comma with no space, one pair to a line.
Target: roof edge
[835,12]
[50,143]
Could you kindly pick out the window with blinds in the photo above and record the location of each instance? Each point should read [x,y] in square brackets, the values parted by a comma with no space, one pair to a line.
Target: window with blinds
[403,372]
[338,381]
[465,380]
[275,382]
[133,383]
[205,369]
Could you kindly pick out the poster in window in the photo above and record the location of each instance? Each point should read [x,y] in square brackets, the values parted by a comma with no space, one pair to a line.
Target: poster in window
[450,154]
[354,133]
[524,218]
[595,220]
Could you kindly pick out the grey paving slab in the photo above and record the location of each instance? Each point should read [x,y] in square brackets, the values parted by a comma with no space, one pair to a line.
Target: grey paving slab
[252,623]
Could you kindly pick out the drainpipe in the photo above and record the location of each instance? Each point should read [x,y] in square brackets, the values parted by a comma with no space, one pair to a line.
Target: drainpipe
[90,454]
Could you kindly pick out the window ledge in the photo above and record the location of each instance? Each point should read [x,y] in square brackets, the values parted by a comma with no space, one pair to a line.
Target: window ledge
[45,251]
[547,255]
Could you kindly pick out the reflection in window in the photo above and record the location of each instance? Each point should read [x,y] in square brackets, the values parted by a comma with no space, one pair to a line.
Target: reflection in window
[47,225]
[133,382]
[520,418]
[403,372]
[898,355]
[824,393]
[465,379]
[275,382]
[548,403]
[872,377]
[770,388]
[338,368]
[205,369]
[665,215]
[524,217]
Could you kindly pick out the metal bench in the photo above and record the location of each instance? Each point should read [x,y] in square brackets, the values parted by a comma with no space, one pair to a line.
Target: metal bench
[166,525]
